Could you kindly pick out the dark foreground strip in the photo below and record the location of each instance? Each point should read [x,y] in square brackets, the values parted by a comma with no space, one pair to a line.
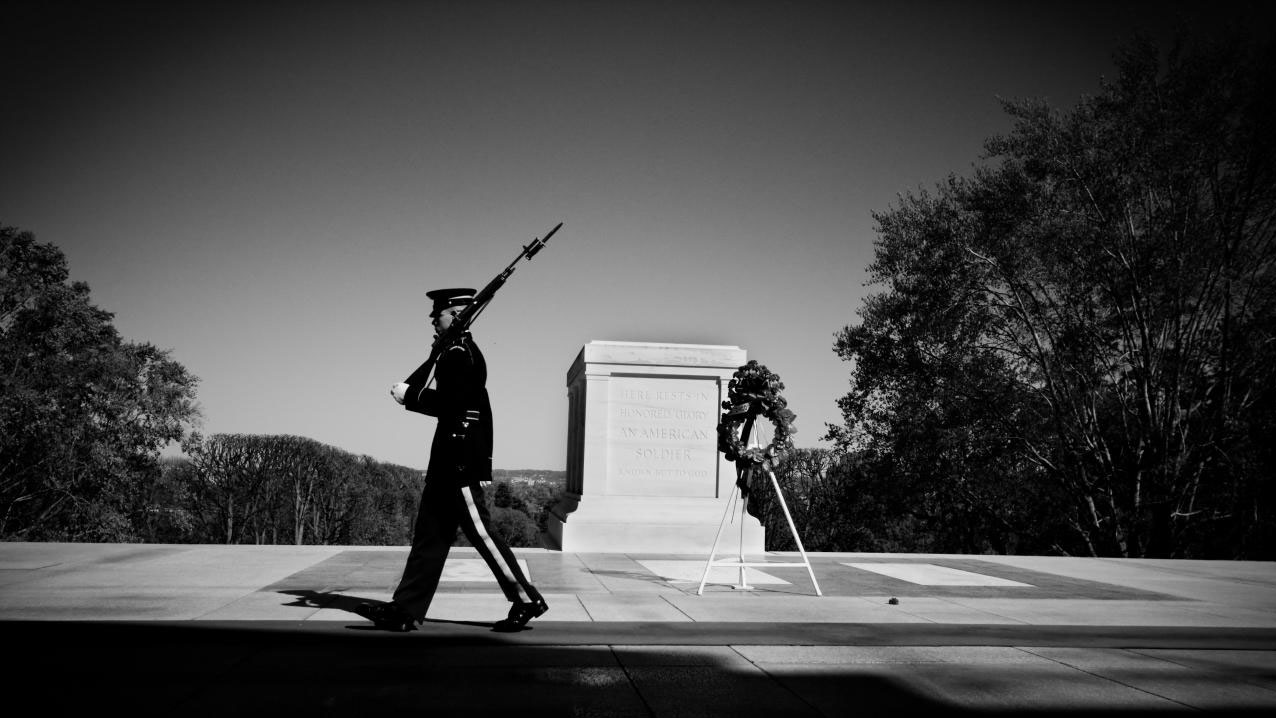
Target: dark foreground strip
[545,633]
[337,668]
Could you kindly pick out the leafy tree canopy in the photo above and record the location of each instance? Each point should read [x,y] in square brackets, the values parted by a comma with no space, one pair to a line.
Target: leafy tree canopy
[83,413]
[1078,341]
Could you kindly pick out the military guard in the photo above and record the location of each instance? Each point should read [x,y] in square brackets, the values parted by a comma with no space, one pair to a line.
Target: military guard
[460,463]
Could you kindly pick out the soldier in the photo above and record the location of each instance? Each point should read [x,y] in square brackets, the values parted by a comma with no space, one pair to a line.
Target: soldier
[460,461]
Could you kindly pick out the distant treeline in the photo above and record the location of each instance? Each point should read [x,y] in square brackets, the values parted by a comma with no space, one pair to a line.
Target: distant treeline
[530,475]
[255,489]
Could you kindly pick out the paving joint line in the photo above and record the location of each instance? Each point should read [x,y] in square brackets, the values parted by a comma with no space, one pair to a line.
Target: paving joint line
[782,684]
[584,608]
[665,598]
[1248,680]
[220,607]
[1107,678]
[634,686]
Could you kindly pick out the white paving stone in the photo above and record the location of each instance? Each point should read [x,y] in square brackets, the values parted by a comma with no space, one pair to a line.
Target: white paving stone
[1205,690]
[632,607]
[693,571]
[787,609]
[929,574]
[488,607]
[1096,612]
[474,570]
[844,655]
[941,610]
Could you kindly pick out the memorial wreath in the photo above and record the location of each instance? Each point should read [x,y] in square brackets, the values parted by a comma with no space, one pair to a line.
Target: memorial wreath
[752,392]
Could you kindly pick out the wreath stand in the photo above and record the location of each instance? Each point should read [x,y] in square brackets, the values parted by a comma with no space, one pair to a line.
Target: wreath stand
[743,466]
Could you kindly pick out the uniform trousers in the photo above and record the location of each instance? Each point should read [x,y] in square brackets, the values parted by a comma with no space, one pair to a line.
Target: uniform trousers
[443,509]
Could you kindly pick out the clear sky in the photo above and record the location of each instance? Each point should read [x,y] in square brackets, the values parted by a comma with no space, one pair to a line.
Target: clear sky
[269,189]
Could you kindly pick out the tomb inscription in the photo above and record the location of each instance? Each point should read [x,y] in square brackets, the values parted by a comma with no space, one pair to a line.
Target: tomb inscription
[662,436]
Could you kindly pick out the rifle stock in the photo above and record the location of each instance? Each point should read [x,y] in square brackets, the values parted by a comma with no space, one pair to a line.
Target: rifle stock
[467,316]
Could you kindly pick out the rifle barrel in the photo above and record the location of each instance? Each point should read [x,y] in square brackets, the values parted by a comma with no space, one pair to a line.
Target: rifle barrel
[480,302]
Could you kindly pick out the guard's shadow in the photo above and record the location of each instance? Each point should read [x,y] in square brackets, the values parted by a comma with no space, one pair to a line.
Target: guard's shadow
[690,586]
[306,598]
[644,576]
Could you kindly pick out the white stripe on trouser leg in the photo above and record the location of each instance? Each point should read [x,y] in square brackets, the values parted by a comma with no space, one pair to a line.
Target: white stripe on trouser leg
[477,521]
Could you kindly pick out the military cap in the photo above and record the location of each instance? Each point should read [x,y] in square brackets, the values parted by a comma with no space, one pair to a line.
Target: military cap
[448,298]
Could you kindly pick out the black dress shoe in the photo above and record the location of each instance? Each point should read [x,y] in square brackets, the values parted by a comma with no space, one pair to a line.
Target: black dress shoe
[387,616]
[520,614]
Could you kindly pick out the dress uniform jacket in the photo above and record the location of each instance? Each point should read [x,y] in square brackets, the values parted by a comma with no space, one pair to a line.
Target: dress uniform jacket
[461,451]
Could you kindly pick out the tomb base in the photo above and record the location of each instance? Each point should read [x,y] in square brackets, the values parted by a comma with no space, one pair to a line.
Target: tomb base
[647,524]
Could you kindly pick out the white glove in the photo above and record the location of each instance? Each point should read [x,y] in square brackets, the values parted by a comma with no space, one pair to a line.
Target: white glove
[398,391]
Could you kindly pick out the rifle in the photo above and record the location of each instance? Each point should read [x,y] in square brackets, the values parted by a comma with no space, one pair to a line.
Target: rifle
[462,322]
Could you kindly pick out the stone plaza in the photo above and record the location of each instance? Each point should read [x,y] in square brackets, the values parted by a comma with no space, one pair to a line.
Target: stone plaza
[269,630]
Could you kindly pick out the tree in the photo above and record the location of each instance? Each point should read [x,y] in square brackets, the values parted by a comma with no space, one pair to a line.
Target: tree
[83,414]
[168,514]
[268,489]
[504,497]
[1078,341]
[815,492]
[386,504]
[234,486]
[515,527]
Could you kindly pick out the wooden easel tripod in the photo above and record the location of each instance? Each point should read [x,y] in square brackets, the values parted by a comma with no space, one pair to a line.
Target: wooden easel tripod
[749,437]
